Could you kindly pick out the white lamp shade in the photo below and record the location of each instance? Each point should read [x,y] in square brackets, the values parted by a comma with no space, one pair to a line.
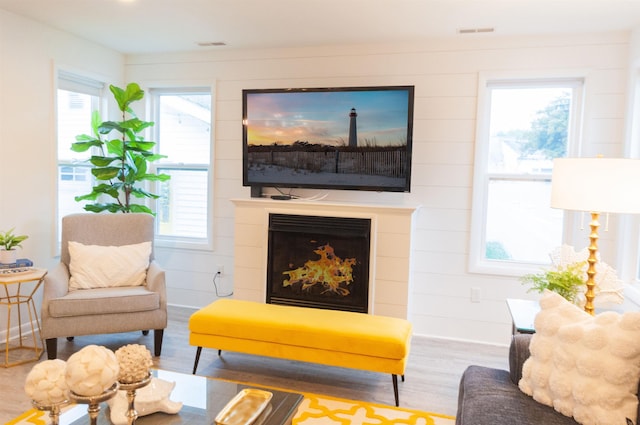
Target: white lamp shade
[603,185]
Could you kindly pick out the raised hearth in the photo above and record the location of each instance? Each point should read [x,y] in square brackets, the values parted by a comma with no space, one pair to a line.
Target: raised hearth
[390,248]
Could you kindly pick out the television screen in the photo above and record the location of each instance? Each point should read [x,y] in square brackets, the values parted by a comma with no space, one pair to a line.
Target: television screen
[356,138]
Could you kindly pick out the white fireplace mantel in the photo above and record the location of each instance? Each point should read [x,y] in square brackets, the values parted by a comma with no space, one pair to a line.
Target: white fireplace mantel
[391,229]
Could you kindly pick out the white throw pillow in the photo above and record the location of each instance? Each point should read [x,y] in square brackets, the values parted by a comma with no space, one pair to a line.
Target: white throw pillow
[584,366]
[96,266]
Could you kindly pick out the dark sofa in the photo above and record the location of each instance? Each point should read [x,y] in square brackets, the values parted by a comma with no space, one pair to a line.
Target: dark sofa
[492,397]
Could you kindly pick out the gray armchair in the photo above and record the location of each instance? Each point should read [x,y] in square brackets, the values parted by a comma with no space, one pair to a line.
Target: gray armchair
[75,312]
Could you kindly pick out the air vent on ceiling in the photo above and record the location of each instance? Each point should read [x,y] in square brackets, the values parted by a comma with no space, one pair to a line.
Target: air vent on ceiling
[211,43]
[475,30]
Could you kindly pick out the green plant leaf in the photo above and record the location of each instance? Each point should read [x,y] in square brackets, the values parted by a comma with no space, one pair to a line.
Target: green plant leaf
[105,173]
[115,147]
[101,161]
[98,208]
[95,123]
[108,126]
[141,146]
[132,93]
[10,241]
[156,177]
[137,208]
[151,157]
[83,146]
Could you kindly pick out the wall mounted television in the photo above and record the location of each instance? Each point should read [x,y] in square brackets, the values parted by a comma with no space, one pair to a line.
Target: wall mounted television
[355,138]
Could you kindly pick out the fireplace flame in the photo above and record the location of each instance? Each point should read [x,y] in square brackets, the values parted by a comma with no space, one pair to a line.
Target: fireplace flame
[330,271]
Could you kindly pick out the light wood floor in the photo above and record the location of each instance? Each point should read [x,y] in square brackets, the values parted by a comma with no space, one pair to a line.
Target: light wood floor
[431,384]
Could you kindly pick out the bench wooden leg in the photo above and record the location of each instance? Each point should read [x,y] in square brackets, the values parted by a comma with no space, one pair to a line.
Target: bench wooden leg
[394,377]
[195,363]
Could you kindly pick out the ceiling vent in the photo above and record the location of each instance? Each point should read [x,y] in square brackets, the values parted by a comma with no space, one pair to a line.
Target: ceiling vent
[475,30]
[211,43]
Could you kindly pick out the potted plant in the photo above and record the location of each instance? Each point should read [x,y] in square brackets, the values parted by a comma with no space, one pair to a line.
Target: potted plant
[8,244]
[121,167]
[566,281]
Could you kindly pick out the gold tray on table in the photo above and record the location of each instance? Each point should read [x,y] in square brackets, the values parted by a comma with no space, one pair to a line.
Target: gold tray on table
[244,408]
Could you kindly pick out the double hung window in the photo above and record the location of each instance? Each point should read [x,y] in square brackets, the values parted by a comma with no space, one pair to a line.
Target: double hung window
[77,97]
[183,132]
[522,126]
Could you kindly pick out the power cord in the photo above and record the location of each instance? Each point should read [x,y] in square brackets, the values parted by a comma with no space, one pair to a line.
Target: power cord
[215,285]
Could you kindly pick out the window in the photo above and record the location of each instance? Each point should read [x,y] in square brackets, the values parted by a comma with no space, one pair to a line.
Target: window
[77,98]
[183,131]
[523,126]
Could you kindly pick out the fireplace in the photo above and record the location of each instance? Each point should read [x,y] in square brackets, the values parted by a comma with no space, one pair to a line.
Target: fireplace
[318,261]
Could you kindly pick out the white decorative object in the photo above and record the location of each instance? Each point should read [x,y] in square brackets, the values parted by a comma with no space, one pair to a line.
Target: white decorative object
[8,256]
[46,383]
[609,288]
[149,399]
[96,266]
[584,366]
[134,361]
[92,370]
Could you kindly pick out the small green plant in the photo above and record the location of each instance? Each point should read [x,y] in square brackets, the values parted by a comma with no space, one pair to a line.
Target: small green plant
[9,241]
[121,167]
[564,281]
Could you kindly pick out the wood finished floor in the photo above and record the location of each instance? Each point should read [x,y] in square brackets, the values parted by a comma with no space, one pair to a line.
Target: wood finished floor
[432,375]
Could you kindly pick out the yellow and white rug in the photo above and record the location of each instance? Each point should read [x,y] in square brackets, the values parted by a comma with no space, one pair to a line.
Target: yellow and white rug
[323,410]
[313,410]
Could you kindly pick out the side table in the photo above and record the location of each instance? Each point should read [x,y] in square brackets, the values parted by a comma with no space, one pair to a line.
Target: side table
[14,284]
[523,313]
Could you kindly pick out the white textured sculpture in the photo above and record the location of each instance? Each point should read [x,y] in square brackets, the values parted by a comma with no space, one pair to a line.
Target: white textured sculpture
[609,288]
[92,370]
[134,361]
[46,383]
[150,399]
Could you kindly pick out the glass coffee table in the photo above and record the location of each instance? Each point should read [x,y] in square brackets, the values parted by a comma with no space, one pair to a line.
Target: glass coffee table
[202,399]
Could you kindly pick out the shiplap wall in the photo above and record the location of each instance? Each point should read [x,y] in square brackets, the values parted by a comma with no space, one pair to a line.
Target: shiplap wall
[445,74]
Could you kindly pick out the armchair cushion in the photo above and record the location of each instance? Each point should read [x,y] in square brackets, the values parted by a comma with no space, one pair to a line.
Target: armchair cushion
[104,301]
[96,266]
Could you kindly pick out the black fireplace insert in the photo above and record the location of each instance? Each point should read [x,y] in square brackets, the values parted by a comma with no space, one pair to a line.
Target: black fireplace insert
[318,261]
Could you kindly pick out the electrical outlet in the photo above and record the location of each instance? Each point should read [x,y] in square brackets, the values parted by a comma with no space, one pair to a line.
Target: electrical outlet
[220,269]
[475,295]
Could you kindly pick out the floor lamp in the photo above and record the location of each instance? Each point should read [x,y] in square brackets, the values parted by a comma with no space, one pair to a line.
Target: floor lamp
[595,185]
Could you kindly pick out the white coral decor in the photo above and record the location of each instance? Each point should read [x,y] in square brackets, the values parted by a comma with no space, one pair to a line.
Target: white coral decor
[92,370]
[46,383]
[609,289]
[135,361]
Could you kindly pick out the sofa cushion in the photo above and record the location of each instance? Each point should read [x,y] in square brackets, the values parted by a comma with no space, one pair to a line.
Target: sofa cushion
[584,366]
[97,266]
[488,397]
[104,301]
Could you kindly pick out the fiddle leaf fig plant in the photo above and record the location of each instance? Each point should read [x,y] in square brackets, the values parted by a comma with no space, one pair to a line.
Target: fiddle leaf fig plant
[121,166]
[9,241]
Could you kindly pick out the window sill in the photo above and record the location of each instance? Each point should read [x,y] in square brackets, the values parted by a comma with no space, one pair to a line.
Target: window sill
[196,245]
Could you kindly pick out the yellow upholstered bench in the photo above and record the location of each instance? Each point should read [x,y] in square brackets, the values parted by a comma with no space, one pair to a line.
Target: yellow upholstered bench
[330,337]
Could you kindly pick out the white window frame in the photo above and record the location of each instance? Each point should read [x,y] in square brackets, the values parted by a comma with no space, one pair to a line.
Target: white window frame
[80,82]
[175,87]
[481,176]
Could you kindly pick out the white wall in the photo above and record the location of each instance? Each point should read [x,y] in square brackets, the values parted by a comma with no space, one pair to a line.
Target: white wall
[445,74]
[28,54]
